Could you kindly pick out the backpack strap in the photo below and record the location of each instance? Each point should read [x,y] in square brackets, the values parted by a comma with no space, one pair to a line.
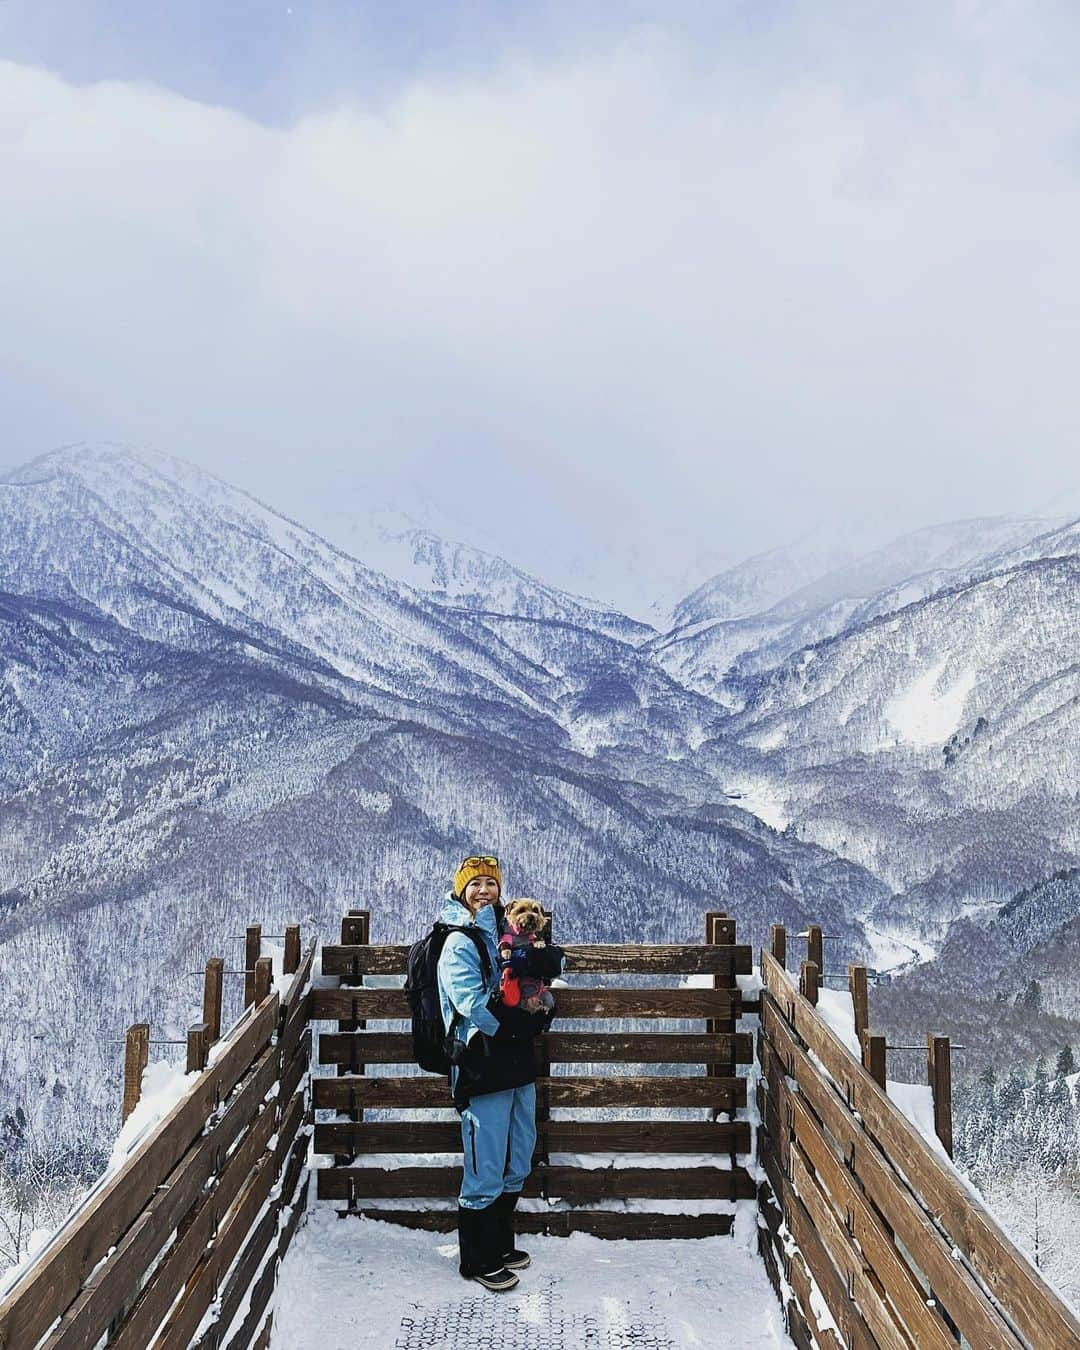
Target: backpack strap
[478,942]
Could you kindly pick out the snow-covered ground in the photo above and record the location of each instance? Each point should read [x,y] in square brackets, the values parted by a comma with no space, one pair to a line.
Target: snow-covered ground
[349,1283]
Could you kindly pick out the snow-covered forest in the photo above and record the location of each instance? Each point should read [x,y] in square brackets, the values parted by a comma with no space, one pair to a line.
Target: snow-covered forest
[1018,1139]
[212,716]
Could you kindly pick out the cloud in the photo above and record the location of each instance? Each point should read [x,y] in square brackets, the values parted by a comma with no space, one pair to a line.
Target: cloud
[666,297]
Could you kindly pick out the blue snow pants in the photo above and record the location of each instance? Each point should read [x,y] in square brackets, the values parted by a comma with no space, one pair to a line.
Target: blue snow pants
[498,1135]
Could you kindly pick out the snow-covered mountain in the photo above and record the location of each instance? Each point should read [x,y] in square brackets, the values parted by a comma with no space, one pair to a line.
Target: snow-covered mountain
[939,746]
[176,555]
[462,575]
[752,618]
[755,584]
[211,716]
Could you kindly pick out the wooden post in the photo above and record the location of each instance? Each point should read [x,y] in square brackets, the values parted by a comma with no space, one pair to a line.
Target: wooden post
[291,963]
[264,978]
[355,931]
[860,998]
[815,946]
[778,943]
[809,973]
[211,1003]
[252,951]
[136,1055]
[720,931]
[939,1076]
[198,1047]
[543,1069]
[873,1057]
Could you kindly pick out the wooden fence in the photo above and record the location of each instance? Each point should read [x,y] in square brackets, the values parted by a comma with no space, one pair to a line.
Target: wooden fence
[870,1237]
[364,1057]
[902,1252]
[191,1217]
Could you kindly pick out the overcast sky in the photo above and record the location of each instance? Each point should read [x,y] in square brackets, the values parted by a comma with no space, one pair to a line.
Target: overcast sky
[618,296]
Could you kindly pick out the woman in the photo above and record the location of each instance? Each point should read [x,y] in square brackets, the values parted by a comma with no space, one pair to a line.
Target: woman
[494,1081]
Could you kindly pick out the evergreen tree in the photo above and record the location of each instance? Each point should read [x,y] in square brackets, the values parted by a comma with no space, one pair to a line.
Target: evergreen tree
[1038,1091]
[1031,998]
[1065,1065]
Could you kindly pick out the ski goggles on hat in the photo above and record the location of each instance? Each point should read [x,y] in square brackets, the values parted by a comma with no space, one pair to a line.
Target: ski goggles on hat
[487,860]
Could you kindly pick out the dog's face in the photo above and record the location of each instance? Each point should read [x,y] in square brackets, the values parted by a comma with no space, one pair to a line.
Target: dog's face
[527,916]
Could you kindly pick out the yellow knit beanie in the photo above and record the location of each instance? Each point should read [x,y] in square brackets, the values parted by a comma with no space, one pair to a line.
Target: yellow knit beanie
[474,867]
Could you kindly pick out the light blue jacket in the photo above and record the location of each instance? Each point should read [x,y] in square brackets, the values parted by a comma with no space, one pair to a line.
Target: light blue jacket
[460,974]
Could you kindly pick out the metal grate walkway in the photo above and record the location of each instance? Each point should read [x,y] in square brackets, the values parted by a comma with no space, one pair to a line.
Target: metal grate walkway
[539,1320]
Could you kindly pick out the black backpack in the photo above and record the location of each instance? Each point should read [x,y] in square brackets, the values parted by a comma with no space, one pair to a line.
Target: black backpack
[431,1043]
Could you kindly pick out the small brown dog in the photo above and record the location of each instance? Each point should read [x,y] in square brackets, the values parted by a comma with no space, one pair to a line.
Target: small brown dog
[526,921]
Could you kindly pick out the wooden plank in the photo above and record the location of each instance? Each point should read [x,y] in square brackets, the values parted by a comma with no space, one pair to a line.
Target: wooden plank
[926,1329]
[295,1165]
[56,1278]
[259,1245]
[247,1336]
[344,1003]
[291,996]
[396,1047]
[292,1117]
[295,1070]
[812,1260]
[262,1341]
[954,1284]
[1039,1314]
[294,1025]
[562,1222]
[869,1305]
[295,1189]
[618,958]
[175,1270]
[797,1330]
[802,1322]
[559,1136]
[681,1183]
[660,1090]
[200,1289]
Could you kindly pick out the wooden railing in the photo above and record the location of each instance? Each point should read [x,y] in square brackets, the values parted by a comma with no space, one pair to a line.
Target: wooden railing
[860,1205]
[192,1216]
[360,1055]
[869,1235]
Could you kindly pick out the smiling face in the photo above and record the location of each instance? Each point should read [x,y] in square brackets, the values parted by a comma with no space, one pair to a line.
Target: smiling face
[527,916]
[479,892]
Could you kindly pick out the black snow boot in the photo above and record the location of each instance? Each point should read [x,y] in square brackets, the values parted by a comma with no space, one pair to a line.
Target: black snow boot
[513,1258]
[478,1248]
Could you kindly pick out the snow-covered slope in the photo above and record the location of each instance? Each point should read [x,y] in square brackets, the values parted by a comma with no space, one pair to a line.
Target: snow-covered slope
[756,584]
[726,642]
[210,717]
[177,556]
[468,577]
[939,745]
